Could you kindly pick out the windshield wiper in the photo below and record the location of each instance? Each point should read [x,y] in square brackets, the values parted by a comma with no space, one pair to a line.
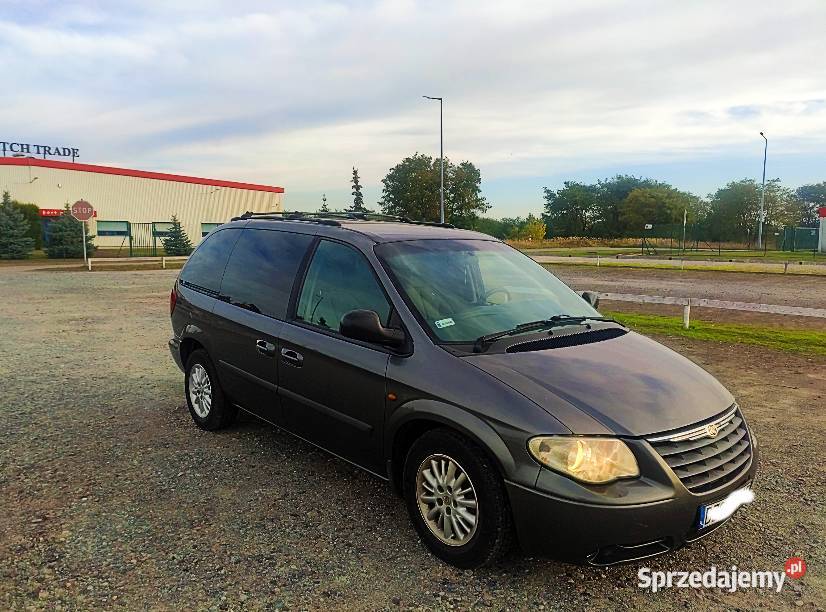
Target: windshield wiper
[555,321]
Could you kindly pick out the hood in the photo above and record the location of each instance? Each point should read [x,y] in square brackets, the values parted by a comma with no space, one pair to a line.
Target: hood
[628,385]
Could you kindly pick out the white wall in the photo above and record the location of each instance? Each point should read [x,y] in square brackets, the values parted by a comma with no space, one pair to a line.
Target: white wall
[133,199]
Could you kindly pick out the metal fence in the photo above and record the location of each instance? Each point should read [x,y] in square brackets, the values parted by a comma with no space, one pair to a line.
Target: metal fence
[671,238]
[799,239]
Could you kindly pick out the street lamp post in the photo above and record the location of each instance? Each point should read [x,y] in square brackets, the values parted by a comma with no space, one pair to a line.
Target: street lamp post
[441,159]
[762,196]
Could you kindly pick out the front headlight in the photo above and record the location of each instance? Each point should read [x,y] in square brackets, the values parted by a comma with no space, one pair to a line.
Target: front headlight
[591,460]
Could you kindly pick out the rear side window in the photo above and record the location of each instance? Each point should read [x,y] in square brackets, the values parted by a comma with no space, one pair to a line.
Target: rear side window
[261,270]
[205,266]
[339,280]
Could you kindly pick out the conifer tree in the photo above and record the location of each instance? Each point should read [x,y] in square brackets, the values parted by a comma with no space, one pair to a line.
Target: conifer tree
[15,242]
[358,198]
[65,238]
[176,241]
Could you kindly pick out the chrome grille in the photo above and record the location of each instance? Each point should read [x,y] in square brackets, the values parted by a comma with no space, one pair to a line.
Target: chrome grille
[702,461]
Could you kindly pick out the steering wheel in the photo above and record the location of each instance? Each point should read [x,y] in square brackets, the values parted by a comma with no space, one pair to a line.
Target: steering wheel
[496,290]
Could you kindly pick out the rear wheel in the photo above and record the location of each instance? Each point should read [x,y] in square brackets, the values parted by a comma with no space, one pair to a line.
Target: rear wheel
[456,500]
[204,396]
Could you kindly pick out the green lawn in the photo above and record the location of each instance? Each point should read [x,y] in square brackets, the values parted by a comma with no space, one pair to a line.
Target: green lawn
[791,340]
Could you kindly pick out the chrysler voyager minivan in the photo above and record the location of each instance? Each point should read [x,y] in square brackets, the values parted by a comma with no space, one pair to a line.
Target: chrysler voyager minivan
[498,402]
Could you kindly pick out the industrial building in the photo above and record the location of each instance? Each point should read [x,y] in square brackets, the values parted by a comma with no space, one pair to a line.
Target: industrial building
[133,208]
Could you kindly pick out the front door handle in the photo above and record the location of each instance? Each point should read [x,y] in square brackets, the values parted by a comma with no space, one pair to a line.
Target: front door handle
[291,357]
[265,348]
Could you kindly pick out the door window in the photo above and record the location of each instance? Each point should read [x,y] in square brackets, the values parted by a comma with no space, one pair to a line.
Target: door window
[205,266]
[261,270]
[339,280]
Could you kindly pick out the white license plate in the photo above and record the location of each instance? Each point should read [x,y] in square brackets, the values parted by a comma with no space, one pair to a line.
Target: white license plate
[724,508]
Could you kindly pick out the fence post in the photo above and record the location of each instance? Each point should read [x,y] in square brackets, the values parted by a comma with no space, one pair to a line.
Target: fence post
[687,313]
[597,260]
[89,263]
[785,267]
[163,263]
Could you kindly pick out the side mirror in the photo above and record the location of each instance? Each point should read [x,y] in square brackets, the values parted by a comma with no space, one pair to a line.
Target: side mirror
[592,297]
[365,325]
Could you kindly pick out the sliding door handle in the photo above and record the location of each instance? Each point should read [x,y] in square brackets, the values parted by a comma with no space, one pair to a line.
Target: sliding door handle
[291,357]
[265,348]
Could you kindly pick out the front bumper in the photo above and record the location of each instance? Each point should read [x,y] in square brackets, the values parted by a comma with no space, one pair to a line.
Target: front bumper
[613,532]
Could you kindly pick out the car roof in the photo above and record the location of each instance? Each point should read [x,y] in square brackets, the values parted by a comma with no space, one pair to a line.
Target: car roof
[376,231]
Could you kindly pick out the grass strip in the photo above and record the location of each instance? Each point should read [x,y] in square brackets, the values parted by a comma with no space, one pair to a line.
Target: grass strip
[790,340]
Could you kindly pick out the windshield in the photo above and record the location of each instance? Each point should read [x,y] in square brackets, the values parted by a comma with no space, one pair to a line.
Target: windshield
[464,289]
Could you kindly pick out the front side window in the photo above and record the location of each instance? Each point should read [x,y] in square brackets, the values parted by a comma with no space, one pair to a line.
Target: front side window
[261,270]
[204,268]
[339,280]
[464,289]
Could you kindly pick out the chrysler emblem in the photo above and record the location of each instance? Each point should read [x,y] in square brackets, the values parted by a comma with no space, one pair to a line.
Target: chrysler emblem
[712,430]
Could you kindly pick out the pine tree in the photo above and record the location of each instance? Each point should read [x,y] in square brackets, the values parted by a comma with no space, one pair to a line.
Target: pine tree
[64,237]
[176,241]
[15,242]
[324,208]
[358,198]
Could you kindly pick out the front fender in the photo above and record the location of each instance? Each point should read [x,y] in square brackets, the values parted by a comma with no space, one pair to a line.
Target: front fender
[505,445]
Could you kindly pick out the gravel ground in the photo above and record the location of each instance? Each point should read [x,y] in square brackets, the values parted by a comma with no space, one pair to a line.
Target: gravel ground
[809,291]
[111,498]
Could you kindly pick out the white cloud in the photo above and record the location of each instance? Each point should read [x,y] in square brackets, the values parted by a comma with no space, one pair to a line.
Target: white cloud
[296,93]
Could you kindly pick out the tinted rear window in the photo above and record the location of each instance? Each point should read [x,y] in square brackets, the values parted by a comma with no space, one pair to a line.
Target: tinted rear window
[204,268]
[262,268]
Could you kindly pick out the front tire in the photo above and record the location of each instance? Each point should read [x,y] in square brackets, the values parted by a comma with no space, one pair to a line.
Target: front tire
[204,396]
[456,500]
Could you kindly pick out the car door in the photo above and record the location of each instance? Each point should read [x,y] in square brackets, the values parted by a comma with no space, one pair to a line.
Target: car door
[332,388]
[249,314]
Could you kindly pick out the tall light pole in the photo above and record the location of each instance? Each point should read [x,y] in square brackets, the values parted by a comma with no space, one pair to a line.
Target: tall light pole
[762,196]
[441,159]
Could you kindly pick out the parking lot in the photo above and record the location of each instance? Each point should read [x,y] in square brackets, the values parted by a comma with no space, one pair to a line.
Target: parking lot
[111,497]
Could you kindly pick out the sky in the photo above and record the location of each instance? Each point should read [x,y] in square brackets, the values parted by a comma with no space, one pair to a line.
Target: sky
[536,93]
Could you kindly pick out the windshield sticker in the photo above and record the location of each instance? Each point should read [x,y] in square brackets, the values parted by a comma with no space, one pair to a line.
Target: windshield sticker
[442,323]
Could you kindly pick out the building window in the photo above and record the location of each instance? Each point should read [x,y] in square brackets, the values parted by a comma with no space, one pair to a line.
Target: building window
[160,229]
[112,228]
[206,228]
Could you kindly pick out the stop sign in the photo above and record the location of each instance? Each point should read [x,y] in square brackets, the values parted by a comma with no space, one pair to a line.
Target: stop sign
[82,210]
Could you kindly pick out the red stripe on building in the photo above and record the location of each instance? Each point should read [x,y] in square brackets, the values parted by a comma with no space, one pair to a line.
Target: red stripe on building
[158,176]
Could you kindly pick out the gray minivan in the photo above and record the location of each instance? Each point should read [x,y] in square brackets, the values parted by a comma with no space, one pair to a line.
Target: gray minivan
[495,399]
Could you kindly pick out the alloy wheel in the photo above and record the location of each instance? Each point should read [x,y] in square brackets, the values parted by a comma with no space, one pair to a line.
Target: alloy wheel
[447,500]
[200,390]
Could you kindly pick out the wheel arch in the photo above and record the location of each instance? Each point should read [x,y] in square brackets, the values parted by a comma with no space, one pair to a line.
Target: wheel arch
[412,420]
[188,346]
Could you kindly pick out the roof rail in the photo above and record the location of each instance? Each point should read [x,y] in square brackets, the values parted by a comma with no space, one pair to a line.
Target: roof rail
[288,216]
[332,218]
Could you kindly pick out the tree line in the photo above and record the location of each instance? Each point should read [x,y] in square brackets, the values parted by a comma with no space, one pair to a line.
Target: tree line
[620,206]
[624,205]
